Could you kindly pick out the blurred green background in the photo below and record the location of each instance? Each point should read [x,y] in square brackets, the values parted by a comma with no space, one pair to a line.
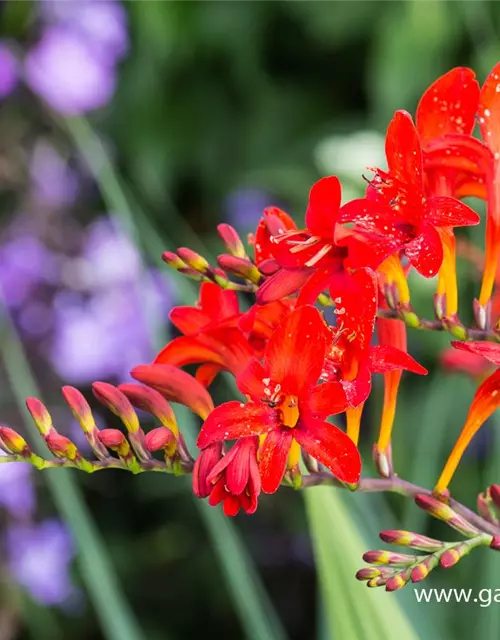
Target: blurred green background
[219,108]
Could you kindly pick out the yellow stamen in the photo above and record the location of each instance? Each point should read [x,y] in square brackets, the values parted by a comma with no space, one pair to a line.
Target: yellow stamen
[353,416]
[447,277]
[393,271]
[391,386]
[290,410]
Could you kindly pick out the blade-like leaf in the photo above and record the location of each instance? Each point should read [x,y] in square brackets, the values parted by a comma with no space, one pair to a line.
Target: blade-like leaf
[352,610]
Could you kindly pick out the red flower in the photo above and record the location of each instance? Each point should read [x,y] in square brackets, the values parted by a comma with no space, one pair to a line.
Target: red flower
[454,161]
[286,404]
[312,259]
[211,335]
[396,206]
[232,479]
[351,359]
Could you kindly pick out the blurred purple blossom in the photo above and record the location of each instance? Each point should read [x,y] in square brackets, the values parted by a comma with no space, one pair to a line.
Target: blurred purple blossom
[8,71]
[54,184]
[17,494]
[65,70]
[101,23]
[39,557]
[25,262]
[244,207]
[104,330]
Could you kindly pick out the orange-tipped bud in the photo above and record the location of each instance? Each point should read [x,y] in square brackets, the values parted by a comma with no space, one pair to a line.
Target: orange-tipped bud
[444,512]
[388,557]
[40,415]
[116,441]
[450,558]
[397,582]
[61,446]
[410,539]
[232,240]
[368,573]
[193,260]
[241,267]
[12,442]
[150,400]
[495,494]
[118,403]
[176,385]
[161,438]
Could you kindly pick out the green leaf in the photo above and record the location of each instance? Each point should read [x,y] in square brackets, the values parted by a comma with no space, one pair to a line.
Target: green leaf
[352,610]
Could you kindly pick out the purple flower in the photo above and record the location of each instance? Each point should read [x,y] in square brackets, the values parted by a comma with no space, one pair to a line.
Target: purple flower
[17,493]
[54,184]
[244,207]
[68,73]
[8,71]
[106,330]
[25,262]
[102,23]
[39,556]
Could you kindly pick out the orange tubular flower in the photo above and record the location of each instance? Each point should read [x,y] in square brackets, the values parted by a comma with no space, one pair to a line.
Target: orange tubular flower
[286,404]
[489,124]
[485,402]
[393,333]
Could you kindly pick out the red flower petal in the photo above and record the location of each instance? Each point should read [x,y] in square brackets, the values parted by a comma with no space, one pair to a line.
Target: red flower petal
[316,284]
[488,350]
[273,458]
[404,153]
[295,352]
[283,283]
[370,215]
[330,446]
[176,385]
[323,207]
[206,373]
[225,347]
[188,320]
[449,105]
[385,358]
[250,381]
[425,252]
[274,222]
[202,467]
[326,399]
[233,420]
[358,390]
[489,110]
[218,303]
[444,211]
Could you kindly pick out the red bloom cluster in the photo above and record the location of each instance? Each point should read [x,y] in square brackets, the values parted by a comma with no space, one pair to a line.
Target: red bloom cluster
[332,302]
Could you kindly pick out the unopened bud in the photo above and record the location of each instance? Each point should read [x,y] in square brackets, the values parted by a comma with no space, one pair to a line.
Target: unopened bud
[150,400]
[241,267]
[161,438]
[118,403]
[495,543]
[410,539]
[368,573]
[444,512]
[40,415]
[231,240]
[193,260]
[173,260]
[116,441]
[388,557]
[397,582]
[494,492]
[60,446]
[12,442]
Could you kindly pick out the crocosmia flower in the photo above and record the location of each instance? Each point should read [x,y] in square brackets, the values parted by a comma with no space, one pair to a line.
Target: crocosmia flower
[286,406]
